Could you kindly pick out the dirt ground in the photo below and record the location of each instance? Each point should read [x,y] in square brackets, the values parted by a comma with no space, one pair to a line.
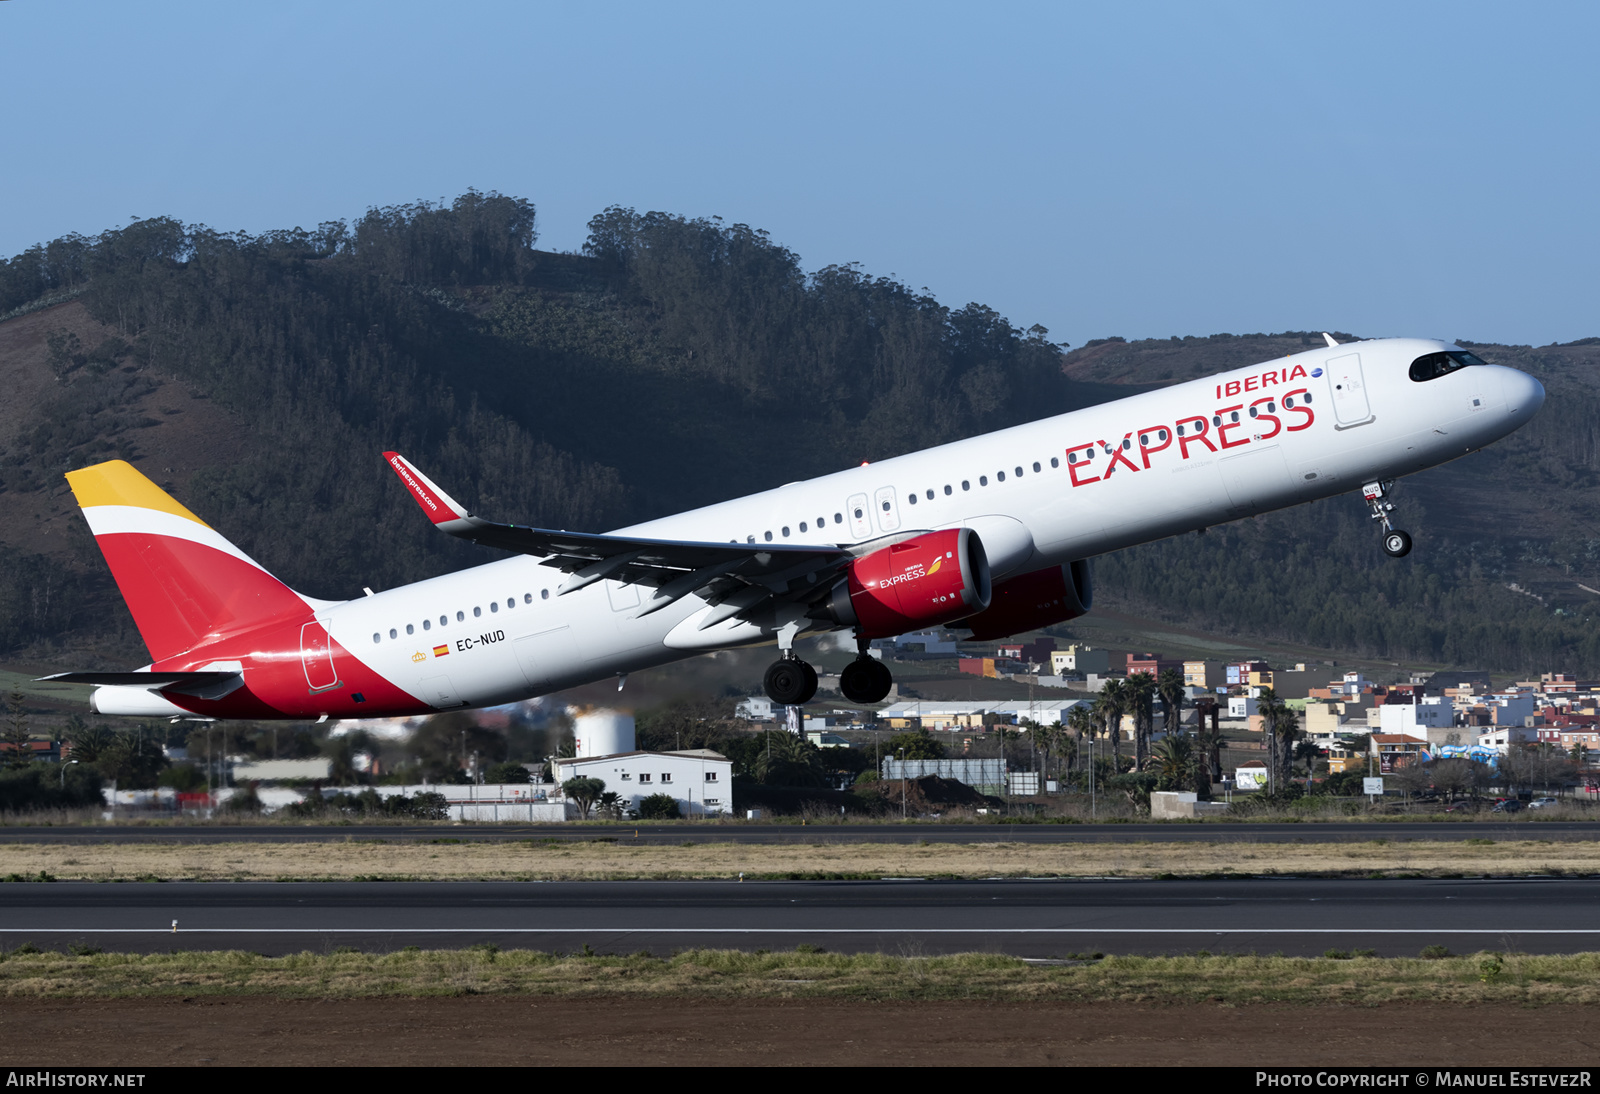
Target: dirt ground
[620,859]
[128,1033]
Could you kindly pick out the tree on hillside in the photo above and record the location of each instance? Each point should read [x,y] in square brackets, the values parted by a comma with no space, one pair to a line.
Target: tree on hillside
[18,752]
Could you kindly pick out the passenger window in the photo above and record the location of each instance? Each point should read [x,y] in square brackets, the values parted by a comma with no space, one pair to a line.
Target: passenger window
[947,490]
[444,620]
[376,638]
[999,476]
[393,633]
[983,480]
[785,531]
[930,494]
[1036,468]
[802,527]
[768,536]
[527,598]
[427,625]
[459,617]
[838,518]
[1019,472]
[410,629]
[544,594]
[511,602]
[910,499]
[494,605]
[1054,462]
[476,612]
[965,485]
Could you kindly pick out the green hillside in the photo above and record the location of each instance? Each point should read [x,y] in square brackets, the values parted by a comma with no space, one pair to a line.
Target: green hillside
[674,363]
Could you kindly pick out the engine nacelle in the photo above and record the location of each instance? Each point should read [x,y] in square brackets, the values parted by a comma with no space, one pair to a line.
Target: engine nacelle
[1030,601]
[925,581]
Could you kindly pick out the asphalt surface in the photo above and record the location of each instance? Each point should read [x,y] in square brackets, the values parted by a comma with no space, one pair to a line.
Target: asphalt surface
[1037,919]
[914,832]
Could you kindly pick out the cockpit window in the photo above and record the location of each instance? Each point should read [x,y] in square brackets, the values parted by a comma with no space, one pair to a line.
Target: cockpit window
[1434,365]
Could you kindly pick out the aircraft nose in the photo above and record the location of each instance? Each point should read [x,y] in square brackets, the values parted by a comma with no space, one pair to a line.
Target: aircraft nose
[1524,394]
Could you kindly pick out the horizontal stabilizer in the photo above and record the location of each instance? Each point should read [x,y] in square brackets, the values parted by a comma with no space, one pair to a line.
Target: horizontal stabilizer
[201,685]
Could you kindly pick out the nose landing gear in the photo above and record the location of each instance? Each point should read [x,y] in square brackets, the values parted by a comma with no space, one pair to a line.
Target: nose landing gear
[1396,544]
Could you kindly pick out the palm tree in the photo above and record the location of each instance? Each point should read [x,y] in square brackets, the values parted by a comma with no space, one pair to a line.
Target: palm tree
[1173,760]
[1208,742]
[1140,703]
[1282,726]
[1110,707]
[1081,720]
[1271,709]
[1169,685]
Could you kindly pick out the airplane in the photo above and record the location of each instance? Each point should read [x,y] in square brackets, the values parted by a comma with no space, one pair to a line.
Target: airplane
[992,535]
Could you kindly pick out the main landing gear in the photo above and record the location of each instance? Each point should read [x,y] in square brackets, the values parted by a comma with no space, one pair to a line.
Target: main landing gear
[1396,544]
[866,679]
[791,682]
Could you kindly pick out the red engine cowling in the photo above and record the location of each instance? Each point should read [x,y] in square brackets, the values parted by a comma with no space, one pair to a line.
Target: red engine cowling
[930,579]
[1030,601]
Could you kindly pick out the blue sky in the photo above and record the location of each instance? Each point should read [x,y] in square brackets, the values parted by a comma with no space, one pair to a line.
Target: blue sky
[1132,169]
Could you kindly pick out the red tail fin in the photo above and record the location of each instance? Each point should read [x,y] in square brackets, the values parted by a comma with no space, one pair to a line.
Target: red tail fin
[184,583]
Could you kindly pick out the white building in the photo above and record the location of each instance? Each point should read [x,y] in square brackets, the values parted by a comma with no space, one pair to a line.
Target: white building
[701,780]
[1503,737]
[1407,718]
[757,708]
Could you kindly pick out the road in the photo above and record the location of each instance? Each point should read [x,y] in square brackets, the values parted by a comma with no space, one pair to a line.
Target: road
[915,832]
[1038,919]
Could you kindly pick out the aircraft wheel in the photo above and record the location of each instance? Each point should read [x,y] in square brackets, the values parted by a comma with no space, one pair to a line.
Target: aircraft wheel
[857,682]
[1396,544]
[787,683]
[811,683]
[866,680]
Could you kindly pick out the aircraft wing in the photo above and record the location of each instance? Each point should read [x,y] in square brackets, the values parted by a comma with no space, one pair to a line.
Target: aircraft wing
[739,577]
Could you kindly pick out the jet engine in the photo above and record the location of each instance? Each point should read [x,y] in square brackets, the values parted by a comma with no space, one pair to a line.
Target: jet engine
[1030,601]
[925,581]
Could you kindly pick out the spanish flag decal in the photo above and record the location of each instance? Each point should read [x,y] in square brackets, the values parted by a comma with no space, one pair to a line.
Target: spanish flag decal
[440,651]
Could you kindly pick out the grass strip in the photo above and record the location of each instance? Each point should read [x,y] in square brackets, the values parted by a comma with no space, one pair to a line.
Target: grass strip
[1231,980]
[622,859]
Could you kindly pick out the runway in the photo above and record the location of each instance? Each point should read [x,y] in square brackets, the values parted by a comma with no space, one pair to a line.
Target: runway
[1033,919]
[915,832]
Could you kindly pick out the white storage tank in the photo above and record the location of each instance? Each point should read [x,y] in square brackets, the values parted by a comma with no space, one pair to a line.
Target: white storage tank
[603,732]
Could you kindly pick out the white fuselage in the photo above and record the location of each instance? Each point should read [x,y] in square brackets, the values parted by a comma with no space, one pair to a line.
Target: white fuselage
[1049,492]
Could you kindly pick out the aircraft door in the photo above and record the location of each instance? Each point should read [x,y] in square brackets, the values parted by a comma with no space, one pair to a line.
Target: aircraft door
[316,657]
[545,656]
[1256,481]
[438,692]
[888,509]
[860,519]
[1348,389]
